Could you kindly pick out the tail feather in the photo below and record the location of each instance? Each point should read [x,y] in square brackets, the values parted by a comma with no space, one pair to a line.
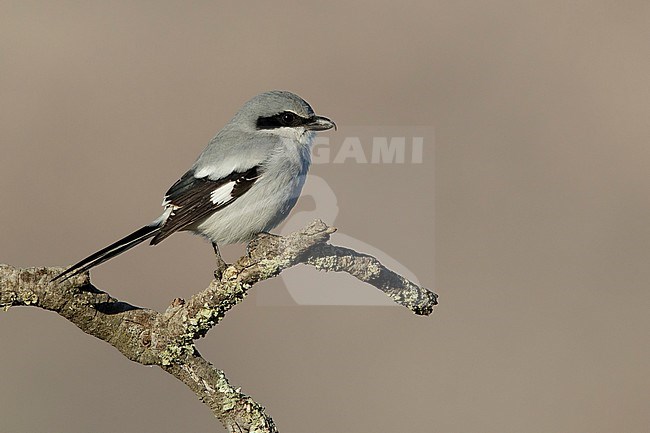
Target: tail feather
[109,252]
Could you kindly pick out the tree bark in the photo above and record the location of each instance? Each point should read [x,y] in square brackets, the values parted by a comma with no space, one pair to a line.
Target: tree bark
[167,339]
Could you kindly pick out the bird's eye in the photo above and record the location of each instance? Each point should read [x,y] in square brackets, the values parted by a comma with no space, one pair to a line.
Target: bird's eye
[288,118]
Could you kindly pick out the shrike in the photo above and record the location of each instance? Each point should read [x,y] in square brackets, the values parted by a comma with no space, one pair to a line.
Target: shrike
[245,182]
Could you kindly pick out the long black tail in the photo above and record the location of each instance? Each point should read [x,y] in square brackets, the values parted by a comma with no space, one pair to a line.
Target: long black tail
[109,252]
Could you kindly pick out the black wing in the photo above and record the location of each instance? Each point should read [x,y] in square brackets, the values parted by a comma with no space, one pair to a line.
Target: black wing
[193,199]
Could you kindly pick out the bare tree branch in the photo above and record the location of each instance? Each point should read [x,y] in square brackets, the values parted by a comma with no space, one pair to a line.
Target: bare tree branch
[167,339]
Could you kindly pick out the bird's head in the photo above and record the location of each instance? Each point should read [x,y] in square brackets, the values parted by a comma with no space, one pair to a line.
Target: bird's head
[281,113]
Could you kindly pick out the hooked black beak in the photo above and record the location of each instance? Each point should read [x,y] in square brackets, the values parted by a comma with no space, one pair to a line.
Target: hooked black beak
[319,123]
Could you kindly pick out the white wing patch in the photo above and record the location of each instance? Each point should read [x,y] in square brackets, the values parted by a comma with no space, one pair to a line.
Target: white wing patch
[224,168]
[222,194]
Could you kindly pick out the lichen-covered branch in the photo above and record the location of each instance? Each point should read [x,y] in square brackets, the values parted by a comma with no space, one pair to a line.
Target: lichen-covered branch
[237,411]
[167,339]
[368,269]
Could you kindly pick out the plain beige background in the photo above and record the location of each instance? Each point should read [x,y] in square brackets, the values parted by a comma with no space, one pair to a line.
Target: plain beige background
[540,206]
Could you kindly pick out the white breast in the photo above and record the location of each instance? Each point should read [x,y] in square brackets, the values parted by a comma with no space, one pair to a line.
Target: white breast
[269,200]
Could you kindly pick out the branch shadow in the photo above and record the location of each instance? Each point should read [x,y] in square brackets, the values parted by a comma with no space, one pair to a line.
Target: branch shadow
[114,307]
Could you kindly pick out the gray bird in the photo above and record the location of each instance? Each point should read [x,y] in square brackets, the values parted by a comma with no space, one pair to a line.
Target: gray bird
[245,182]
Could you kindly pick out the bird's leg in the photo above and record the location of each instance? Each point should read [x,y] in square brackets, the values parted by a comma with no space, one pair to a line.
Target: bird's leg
[221,265]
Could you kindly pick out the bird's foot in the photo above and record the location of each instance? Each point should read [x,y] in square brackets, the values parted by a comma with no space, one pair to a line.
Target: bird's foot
[221,267]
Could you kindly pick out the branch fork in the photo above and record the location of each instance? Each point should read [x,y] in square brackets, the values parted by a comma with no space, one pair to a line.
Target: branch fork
[167,339]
